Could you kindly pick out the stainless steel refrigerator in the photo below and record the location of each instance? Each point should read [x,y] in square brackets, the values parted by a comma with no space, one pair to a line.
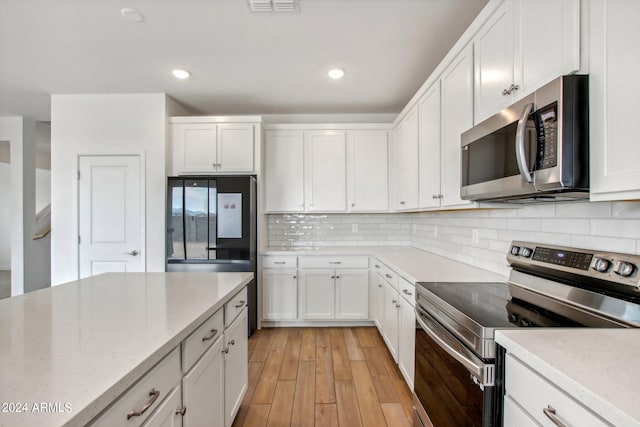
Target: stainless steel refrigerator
[211,226]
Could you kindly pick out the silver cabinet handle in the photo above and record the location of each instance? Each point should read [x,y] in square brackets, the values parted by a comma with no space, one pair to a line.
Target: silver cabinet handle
[403,202]
[407,292]
[440,196]
[397,305]
[550,412]
[335,262]
[353,205]
[225,350]
[279,262]
[513,87]
[394,301]
[376,266]
[337,277]
[136,413]
[133,252]
[379,286]
[520,153]
[214,332]
[240,304]
[295,277]
[435,196]
[388,276]
[181,411]
[333,277]
[505,92]
[232,342]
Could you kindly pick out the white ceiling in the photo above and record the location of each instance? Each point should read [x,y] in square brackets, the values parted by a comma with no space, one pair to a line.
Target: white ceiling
[241,62]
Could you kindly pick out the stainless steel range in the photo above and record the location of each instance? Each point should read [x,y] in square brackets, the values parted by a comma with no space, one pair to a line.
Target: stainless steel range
[458,367]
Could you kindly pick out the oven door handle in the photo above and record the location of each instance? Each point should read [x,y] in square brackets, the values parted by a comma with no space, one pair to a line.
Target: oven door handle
[521,156]
[482,372]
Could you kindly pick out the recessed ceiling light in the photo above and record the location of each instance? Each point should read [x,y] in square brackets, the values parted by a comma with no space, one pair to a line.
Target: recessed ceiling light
[181,74]
[336,73]
[132,15]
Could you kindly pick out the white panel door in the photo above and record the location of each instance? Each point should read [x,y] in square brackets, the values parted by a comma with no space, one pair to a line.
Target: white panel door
[545,48]
[279,294]
[493,49]
[352,294]
[614,91]
[236,367]
[391,320]
[194,147]
[235,148]
[284,171]
[203,389]
[367,168]
[317,294]
[407,163]
[380,303]
[326,171]
[430,140]
[407,339]
[457,117]
[110,215]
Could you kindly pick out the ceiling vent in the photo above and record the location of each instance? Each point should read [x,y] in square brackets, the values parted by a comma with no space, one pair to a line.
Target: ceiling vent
[273,5]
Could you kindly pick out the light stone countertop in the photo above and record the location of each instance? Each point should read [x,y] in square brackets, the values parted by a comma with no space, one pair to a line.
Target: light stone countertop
[413,264]
[84,343]
[597,367]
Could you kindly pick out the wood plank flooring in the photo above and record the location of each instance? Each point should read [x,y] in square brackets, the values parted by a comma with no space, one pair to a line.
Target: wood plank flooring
[323,377]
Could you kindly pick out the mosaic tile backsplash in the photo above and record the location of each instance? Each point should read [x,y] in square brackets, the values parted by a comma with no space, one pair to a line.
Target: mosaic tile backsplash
[478,237]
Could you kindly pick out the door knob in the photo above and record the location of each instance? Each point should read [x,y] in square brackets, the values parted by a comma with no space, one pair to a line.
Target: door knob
[133,253]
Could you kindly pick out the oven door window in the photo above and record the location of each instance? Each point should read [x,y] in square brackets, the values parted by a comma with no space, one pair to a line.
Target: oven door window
[445,388]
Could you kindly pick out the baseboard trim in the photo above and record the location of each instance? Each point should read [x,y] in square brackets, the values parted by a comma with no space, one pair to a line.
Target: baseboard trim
[315,323]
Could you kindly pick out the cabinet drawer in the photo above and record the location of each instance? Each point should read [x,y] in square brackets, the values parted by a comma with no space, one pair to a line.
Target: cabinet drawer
[534,394]
[152,388]
[235,306]
[334,262]
[407,290]
[389,275]
[201,339]
[280,262]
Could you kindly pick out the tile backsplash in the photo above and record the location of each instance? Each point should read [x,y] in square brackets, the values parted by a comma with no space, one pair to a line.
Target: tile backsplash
[478,237]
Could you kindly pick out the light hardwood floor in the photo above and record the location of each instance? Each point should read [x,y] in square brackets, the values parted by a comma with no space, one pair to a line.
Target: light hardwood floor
[323,377]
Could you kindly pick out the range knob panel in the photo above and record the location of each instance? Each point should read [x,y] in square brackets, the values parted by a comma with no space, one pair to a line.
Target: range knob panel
[515,250]
[601,265]
[525,252]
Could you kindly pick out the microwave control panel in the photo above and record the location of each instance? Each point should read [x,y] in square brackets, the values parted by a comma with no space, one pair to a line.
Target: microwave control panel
[546,120]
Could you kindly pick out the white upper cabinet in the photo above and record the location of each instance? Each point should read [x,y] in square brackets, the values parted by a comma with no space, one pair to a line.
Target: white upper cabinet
[457,117]
[493,50]
[284,171]
[406,149]
[614,90]
[430,140]
[367,171]
[325,171]
[524,45]
[201,147]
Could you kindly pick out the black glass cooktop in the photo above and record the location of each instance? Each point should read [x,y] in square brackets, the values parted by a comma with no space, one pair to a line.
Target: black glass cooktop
[489,305]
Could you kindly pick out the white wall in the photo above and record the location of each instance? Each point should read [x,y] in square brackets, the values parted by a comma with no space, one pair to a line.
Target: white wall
[105,124]
[5,215]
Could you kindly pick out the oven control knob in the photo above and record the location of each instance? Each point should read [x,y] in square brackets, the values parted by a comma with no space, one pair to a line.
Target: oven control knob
[625,269]
[515,250]
[525,252]
[601,265]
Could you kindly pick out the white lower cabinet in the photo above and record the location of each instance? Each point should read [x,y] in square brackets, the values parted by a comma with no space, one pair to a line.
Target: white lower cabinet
[541,400]
[169,413]
[317,294]
[334,294]
[407,332]
[280,294]
[391,319]
[236,366]
[379,317]
[203,389]
[352,294]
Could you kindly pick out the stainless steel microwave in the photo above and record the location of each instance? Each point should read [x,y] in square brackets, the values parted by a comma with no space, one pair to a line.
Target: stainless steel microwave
[536,150]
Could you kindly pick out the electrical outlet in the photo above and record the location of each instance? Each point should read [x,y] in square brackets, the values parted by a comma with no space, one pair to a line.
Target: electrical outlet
[354,228]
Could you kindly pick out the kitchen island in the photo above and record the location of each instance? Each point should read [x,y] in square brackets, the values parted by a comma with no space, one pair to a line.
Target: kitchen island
[69,351]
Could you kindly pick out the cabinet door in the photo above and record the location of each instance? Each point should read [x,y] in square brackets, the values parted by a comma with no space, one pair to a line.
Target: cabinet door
[515,416]
[284,171]
[547,42]
[407,339]
[317,294]
[614,90]
[430,140]
[203,388]
[390,324]
[352,294]
[167,414]
[235,151]
[279,294]
[493,50]
[367,171]
[457,117]
[236,367]
[194,148]
[326,171]
[407,163]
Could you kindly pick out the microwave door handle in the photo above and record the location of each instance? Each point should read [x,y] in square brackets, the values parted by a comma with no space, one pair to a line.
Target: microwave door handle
[521,157]
[438,335]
